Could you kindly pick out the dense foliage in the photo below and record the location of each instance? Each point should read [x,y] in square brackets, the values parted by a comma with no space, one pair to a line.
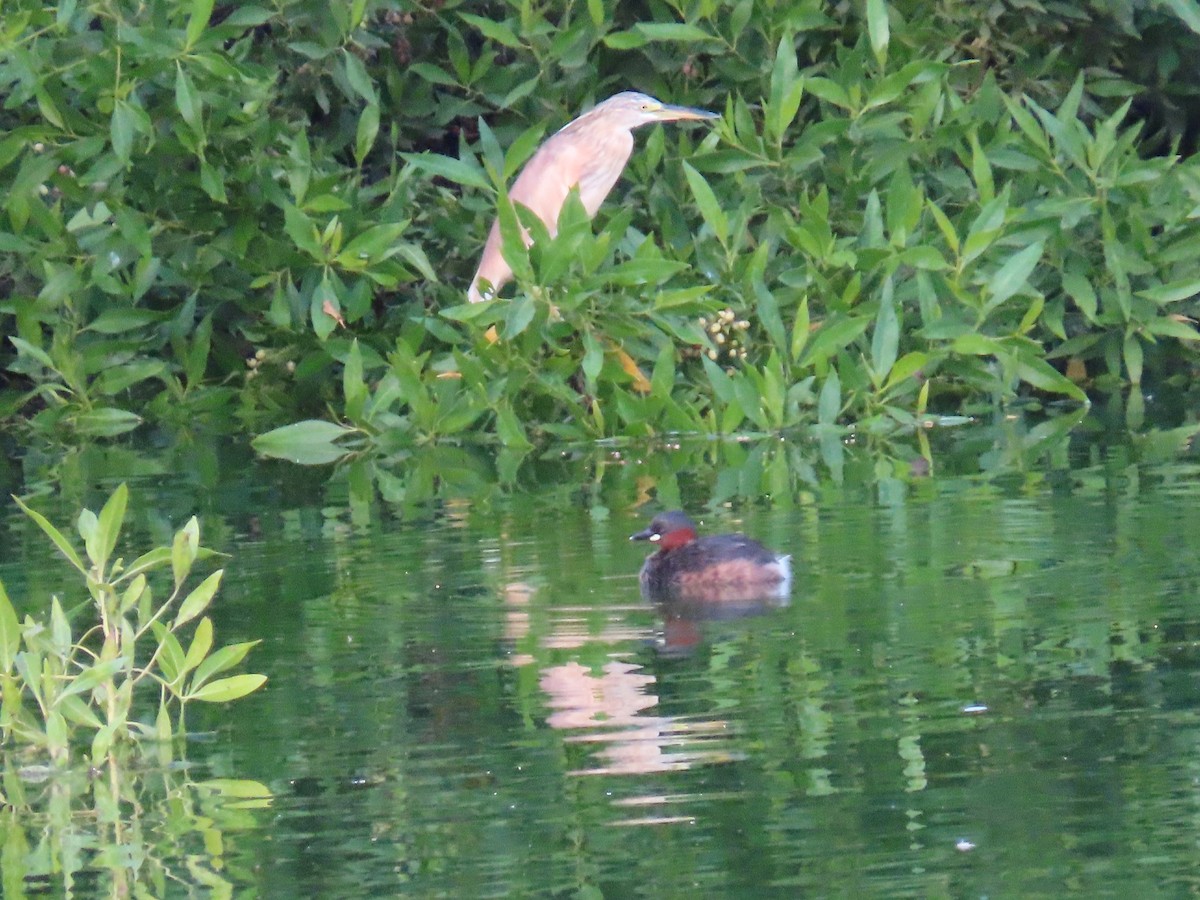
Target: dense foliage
[273,211]
[94,668]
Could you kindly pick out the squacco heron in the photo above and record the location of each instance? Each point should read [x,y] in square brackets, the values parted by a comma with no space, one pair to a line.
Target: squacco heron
[589,152]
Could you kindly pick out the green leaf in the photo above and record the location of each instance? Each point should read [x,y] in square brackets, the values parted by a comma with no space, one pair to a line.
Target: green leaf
[986,227]
[225,689]
[307,443]
[877,28]
[371,245]
[367,131]
[977,345]
[201,13]
[354,387]
[1133,357]
[302,231]
[456,170]
[184,549]
[829,401]
[121,128]
[109,527]
[105,421]
[433,74]
[186,99]
[325,307]
[981,169]
[360,82]
[499,32]
[170,655]
[1011,276]
[905,367]
[885,342]
[63,545]
[1080,290]
[24,348]
[92,676]
[221,660]
[944,225]
[787,88]
[710,208]
[415,257]
[201,643]
[593,357]
[509,428]
[924,257]
[212,181]
[133,594]
[829,91]
[123,321]
[768,316]
[76,710]
[626,40]
[197,601]
[520,313]
[156,558]
[800,330]
[721,384]
[60,629]
[1173,292]
[681,296]
[58,734]
[10,632]
[1188,11]
[683,32]
[1039,373]
[1173,328]
[835,334]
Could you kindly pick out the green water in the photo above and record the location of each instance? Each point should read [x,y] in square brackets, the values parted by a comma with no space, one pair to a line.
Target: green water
[985,684]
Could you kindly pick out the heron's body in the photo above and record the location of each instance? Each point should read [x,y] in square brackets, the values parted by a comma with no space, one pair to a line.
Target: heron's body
[589,152]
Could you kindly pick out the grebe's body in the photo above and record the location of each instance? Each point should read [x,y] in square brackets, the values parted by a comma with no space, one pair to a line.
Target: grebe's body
[716,568]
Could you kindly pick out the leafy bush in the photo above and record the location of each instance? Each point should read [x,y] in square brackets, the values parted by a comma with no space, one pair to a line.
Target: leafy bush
[67,673]
[915,207]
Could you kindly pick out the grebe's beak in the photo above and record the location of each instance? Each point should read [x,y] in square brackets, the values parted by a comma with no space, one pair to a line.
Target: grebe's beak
[648,534]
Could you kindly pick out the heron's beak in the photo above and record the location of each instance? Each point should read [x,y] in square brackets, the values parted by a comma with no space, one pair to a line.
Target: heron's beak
[669,113]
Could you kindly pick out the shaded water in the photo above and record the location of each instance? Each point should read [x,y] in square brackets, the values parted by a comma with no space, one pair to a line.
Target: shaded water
[985,684]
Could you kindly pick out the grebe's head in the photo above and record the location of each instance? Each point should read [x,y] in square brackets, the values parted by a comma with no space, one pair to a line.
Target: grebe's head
[668,530]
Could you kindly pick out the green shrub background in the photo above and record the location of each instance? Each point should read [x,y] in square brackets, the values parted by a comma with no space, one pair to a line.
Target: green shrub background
[259,214]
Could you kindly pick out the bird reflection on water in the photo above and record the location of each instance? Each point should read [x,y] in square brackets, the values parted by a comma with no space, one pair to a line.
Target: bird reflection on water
[610,698]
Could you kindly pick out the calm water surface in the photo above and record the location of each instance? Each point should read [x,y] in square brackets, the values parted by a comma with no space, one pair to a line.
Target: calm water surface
[984,684]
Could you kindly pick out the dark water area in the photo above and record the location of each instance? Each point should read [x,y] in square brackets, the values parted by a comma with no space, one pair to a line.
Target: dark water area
[986,681]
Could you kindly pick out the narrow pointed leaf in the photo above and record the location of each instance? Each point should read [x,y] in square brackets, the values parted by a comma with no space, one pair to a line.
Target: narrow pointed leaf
[184,549]
[201,644]
[710,208]
[1011,276]
[10,632]
[63,545]
[108,530]
[197,601]
[220,660]
[877,28]
[225,689]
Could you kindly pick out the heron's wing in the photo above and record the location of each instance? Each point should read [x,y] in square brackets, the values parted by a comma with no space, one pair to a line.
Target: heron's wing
[574,156]
[542,186]
[546,180]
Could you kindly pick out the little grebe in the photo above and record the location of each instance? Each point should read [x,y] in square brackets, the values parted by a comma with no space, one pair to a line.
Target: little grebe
[723,567]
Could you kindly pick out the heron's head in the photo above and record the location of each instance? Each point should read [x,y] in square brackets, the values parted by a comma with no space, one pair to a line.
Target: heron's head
[629,109]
